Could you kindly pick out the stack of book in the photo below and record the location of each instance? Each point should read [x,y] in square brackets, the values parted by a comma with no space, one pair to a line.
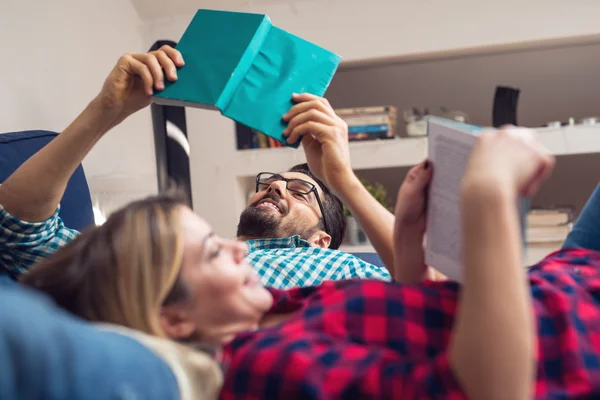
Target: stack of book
[364,123]
[369,123]
[547,229]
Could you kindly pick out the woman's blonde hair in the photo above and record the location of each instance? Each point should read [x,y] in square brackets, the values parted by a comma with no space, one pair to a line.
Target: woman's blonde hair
[122,272]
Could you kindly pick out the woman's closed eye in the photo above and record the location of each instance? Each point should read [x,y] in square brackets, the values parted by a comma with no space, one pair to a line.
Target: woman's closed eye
[215,252]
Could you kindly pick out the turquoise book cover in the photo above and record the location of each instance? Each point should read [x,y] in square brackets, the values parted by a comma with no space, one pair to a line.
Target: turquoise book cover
[248,69]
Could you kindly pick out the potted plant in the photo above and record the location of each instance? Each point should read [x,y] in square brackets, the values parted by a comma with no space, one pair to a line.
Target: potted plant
[354,233]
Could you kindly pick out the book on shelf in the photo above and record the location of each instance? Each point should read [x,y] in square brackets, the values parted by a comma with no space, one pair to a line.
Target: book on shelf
[551,225]
[349,111]
[550,217]
[547,230]
[263,140]
[364,123]
[248,138]
[369,123]
[248,73]
[450,145]
[542,234]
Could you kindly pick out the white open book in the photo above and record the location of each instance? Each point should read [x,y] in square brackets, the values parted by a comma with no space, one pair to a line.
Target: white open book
[450,145]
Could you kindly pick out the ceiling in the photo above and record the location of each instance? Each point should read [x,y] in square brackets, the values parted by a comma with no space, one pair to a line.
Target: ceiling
[156,9]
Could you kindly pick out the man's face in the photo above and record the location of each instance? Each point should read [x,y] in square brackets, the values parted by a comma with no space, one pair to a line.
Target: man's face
[276,212]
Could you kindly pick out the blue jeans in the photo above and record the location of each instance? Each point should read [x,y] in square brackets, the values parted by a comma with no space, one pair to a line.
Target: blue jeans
[48,354]
[586,231]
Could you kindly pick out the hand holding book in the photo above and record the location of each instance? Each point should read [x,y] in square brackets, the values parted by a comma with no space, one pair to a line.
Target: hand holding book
[409,227]
[130,85]
[464,154]
[248,73]
[511,157]
[493,340]
[324,137]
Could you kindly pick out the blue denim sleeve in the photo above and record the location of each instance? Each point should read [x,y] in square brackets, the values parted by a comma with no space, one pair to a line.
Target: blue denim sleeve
[586,231]
[46,353]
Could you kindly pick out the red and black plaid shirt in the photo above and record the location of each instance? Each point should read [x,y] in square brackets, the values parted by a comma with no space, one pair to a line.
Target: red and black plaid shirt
[370,339]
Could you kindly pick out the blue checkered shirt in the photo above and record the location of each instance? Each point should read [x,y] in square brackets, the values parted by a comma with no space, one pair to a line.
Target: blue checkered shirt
[285,263]
[281,263]
[23,244]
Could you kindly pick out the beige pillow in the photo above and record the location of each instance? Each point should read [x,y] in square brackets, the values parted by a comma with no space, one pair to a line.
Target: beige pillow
[198,375]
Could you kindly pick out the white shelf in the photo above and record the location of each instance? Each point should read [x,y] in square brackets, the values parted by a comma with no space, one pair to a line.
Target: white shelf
[578,139]
[364,155]
[364,248]
[406,152]
[234,171]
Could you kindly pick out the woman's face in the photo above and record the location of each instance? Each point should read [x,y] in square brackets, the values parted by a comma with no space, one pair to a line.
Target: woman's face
[225,294]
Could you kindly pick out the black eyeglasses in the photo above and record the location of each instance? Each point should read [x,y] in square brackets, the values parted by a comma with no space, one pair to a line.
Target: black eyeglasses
[294,185]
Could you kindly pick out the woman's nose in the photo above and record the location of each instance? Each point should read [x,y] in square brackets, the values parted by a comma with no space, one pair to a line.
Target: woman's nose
[239,250]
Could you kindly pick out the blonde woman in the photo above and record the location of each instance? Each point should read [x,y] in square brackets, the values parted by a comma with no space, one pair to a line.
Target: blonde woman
[157,268]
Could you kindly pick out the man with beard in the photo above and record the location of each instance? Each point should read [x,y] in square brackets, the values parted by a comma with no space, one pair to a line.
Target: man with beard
[303,219]
[295,222]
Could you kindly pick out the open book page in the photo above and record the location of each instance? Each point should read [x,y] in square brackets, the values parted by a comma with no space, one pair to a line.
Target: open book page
[450,146]
[449,151]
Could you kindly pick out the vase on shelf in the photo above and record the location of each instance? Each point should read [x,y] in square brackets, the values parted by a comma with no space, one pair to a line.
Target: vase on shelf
[355,236]
[415,121]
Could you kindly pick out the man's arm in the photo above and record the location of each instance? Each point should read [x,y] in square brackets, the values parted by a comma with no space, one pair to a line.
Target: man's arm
[34,190]
[324,138]
[376,221]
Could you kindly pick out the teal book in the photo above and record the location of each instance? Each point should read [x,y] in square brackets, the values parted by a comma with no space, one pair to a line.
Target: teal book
[449,148]
[248,69]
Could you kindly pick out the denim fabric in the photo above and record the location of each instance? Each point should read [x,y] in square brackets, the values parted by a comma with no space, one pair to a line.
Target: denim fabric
[586,231]
[45,353]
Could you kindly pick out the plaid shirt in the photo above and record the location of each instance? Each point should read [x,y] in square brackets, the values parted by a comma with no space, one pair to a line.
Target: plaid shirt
[291,262]
[370,339]
[22,244]
[282,263]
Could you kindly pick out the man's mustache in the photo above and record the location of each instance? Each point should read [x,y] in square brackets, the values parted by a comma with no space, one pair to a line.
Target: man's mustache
[273,197]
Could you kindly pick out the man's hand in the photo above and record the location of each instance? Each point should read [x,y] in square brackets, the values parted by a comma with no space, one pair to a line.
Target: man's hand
[133,80]
[325,140]
[324,137]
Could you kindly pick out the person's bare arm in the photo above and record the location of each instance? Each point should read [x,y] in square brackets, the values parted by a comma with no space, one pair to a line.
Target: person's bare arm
[324,138]
[492,345]
[33,191]
[376,221]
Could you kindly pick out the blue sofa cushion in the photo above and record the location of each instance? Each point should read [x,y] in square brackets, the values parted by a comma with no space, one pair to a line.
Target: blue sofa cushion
[76,204]
[371,258]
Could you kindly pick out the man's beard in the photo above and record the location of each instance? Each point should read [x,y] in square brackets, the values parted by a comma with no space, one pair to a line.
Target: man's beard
[263,223]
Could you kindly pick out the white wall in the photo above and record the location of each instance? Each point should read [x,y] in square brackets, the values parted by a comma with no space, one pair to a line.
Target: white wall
[363,29]
[56,55]
[359,29]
